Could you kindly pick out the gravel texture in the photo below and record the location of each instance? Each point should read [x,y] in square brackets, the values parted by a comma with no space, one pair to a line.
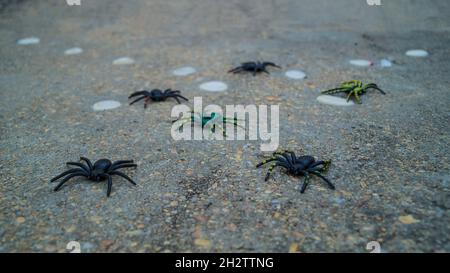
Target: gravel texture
[390,155]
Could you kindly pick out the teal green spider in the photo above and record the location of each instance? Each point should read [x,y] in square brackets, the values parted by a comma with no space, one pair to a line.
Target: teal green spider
[205,119]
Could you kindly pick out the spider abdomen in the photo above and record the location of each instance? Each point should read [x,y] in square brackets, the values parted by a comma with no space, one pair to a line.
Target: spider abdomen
[305,161]
[102,164]
[157,95]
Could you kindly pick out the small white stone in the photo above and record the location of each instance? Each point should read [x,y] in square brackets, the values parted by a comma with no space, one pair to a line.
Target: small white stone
[184,71]
[73,51]
[123,61]
[332,100]
[106,105]
[295,74]
[214,86]
[385,63]
[29,41]
[418,53]
[362,63]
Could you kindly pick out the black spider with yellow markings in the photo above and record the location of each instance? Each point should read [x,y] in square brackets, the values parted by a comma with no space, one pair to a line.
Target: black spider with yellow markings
[298,166]
[353,88]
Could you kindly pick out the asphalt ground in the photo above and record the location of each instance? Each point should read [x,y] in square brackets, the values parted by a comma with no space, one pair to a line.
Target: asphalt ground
[390,154]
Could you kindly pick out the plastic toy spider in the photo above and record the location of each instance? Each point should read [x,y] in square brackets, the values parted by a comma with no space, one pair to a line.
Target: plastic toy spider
[102,170]
[204,119]
[156,95]
[298,166]
[353,88]
[254,67]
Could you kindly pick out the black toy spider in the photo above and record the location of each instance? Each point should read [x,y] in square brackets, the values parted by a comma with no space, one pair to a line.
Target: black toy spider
[254,67]
[101,170]
[298,166]
[156,95]
[355,88]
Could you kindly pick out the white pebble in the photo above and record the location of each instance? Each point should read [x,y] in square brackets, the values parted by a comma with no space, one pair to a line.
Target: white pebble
[214,86]
[362,63]
[184,71]
[105,105]
[123,61]
[29,41]
[295,74]
[385,63]
[73,51]
[332,100]
[418,53]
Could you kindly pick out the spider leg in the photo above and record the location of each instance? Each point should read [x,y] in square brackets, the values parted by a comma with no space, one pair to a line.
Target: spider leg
[179,102]
[272,167]
[136,100]
[77,170]
[269,172]
[234,122]
[334,91]
[236,70]
[279,158]
[193,119]
[318,163]
[185,120]
[146,102]
[69,177]
[374,86]
[108,192]
[286,155]
[358,99]
[350,95]
[281,154]
[213,129]
[382,92]
[317,169]
[124,176]
[305,183]
[271,64]
[123,166]
[265,71]
[81,165]
[294,158]
[121,162]
[265,161]
[180,96]
[292,154]
[137,94]
[88,162]
[324,179]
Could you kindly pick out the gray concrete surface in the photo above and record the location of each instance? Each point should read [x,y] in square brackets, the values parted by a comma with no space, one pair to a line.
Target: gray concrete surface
[390,154]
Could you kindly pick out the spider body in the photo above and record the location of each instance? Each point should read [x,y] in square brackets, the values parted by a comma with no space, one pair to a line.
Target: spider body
[253,67]
[156,95]
[101,170]
[298,166]
[353,88]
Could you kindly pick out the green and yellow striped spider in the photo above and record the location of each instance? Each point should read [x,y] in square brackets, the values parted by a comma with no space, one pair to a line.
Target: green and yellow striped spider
[353,88]
[205,119]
